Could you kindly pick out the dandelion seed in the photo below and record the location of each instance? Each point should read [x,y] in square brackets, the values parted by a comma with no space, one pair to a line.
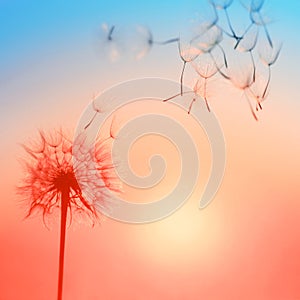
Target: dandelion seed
[211,39]
[50,183]
[195,93]
[188,52]
[257,91]
[269,57]
[244,85]
[205,69]
[247,45]
[145,41]
[96,109]
[256,17]
[108,43]
[224,5]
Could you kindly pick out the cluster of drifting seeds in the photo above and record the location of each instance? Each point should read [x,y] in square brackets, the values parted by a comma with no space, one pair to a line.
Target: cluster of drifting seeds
[243,58]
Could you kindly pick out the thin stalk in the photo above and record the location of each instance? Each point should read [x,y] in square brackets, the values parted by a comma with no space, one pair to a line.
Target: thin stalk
[181,78]
[266,30]
[65,197]
[251,108]
[253,65]
[205,98]
[224,55]
[109,36]
[191,104]
[170,98]
[217,67]
[170,41]
[268,82]
[90,122]
[229,24]
[240,38]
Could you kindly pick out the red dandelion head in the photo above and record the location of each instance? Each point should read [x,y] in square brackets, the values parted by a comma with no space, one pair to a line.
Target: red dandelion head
[53,179]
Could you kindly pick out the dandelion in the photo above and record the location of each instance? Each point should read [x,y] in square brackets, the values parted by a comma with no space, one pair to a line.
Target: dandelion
[53,181]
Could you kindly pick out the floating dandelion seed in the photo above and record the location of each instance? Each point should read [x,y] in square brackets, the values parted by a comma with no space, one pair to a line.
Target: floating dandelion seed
[244,82]
[269,57]
[248,45]
[224,5]
[145,41]
[188,53]
[211,39]
[50,183]
[256,91]
[206,71]
[109,44]
[257,18]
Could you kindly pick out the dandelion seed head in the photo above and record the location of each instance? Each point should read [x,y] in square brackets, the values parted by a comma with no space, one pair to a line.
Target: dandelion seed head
[50,172]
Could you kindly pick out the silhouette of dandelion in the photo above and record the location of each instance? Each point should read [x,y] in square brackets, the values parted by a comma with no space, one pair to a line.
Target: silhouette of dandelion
[50,183]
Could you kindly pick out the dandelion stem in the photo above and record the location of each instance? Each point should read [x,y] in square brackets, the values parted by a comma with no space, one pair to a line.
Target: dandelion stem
[181,78]
[64,208]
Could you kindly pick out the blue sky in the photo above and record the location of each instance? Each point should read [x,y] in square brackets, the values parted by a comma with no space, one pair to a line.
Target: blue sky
[33,32]
[32,25]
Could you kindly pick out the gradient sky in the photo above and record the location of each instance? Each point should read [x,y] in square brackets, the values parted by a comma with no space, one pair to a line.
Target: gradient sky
[245,245]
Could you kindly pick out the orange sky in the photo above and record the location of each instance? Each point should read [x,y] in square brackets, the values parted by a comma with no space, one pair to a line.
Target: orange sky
[244,245]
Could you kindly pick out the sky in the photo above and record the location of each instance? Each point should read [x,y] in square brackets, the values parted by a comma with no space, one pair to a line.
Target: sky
[244,245]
